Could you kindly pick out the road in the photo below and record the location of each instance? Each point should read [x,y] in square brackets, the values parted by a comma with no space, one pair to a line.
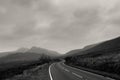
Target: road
[60,71]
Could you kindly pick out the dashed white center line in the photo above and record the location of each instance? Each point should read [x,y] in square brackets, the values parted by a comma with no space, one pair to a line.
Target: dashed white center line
[66,70]
[77,75]
[109,78]
[73,73]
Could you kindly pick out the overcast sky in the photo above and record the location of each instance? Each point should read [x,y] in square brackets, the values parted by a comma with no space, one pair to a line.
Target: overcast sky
[59,25]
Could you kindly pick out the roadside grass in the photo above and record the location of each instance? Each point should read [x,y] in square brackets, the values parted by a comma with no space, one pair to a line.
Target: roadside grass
[27,70]
[36,73]
[105,74]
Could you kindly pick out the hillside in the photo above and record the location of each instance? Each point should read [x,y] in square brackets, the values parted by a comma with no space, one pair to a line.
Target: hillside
[103,57]
[2,54]
[106,46]
[24,54]
[20,57]
[22,50]
[43,51]
[16,62]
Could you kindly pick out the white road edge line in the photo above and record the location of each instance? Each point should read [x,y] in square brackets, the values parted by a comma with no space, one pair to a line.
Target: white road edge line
[77,75]
[51,78]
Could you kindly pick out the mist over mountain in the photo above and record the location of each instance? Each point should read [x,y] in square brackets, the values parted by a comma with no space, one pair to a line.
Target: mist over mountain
[2,54]
[25,54]
[43,51]
[22,50]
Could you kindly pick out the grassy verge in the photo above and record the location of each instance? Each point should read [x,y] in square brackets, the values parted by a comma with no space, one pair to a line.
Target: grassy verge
[8,70]
[105,74]
[36,73]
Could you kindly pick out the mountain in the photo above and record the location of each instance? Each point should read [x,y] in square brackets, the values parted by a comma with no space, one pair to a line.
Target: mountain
[2,54]
[24,54]
[20,57]
[43,51]
[106,46]
[22,50]
[103,57]
[80,51]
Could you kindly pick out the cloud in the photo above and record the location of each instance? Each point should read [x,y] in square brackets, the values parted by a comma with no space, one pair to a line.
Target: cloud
[72,26]
[55,23]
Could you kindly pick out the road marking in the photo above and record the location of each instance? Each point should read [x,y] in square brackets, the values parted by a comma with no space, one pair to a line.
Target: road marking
[109,78]
[51,78]
[89,72]
[77,75]
[66,70]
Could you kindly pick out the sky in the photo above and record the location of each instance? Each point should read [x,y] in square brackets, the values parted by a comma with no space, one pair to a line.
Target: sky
[60,25]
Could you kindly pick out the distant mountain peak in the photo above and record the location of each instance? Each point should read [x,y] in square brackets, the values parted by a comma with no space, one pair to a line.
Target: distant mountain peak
[23,50]
[25,54]
[39,50]
[36,49]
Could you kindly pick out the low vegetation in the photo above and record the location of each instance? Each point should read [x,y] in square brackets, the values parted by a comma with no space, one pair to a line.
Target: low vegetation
[36,73]
[9,69]
[109,63]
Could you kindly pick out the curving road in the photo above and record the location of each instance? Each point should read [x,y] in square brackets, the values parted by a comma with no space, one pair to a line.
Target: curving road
[60,71]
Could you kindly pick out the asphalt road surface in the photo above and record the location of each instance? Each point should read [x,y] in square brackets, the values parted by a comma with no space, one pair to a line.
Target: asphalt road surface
[60,71]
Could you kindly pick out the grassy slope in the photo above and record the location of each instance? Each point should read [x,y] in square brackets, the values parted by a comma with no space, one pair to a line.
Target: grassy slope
[105,57]
[36,73]
[108,65]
